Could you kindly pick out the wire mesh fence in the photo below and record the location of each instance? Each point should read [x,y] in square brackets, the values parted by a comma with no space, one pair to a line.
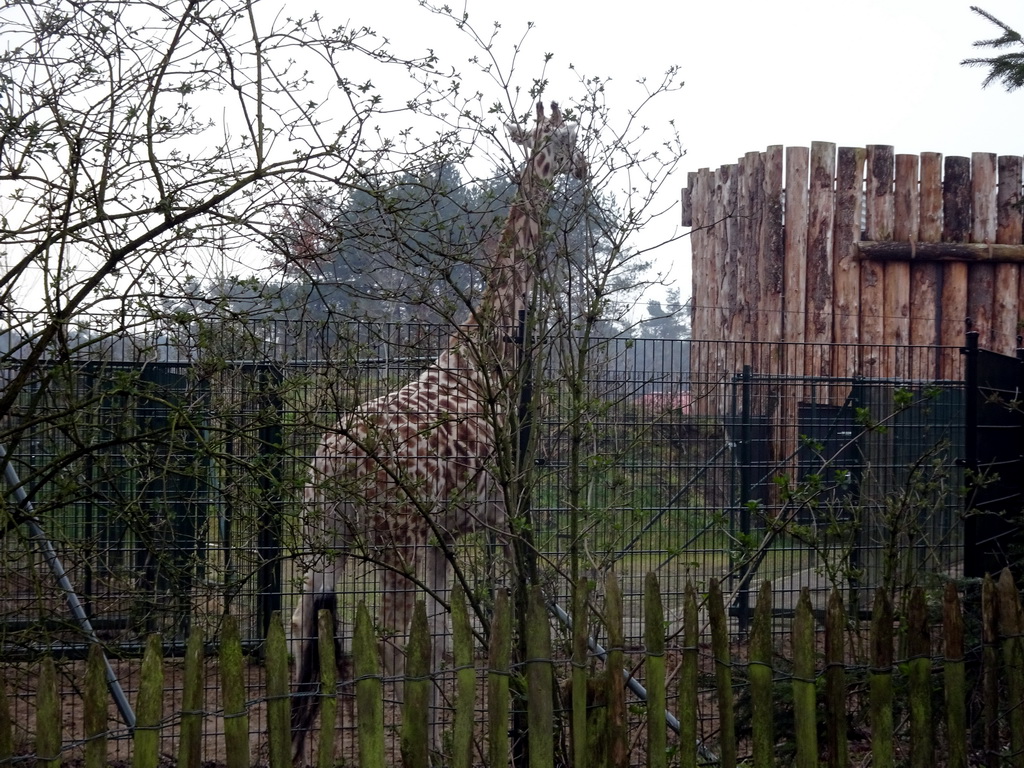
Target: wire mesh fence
[169,475]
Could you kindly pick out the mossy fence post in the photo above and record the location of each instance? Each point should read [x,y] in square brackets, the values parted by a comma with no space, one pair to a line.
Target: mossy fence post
[929,732]
[722,655]
[415,728]
[760,673]
[94,699]
[1011,627]
[465,681]
[232,680]
[369,692]
[654,640]
[328,690]
[149,709]
[190,744]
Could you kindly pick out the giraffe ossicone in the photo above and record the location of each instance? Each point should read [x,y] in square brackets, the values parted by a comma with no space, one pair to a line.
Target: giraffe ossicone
[402,476]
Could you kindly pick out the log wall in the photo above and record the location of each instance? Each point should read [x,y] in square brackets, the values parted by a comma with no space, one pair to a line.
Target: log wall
[858,246]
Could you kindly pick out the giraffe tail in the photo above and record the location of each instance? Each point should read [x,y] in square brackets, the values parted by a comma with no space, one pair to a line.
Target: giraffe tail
[306,697]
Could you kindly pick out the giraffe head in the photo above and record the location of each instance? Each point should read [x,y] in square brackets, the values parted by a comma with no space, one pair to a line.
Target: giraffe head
[552,144]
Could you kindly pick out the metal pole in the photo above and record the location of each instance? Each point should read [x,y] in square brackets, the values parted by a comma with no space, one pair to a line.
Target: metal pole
[50,555]
[746,493]
[975,560]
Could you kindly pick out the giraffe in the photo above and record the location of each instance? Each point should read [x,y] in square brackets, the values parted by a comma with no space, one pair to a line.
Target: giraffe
[401,477]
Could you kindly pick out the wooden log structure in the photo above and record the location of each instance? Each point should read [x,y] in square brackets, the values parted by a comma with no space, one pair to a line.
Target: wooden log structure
[858,246]
[995,253]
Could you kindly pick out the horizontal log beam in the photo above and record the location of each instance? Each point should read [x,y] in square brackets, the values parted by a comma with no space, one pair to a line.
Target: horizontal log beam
[892,251]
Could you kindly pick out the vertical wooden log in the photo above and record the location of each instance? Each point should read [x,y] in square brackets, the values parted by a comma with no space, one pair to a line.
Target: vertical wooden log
[835,682]
[990,671]
[846,270]
[805,711]
[907,201]
[1011,629]
[820,231]
[727,276]
[539,680]
[880,214]
[686,201]
[725,271]
[278,719]
[795,257]
[737,310]
[880,681]
[906,223]
[773,252]
[190,743]
[697,270]
[981,276]
[498,655]
[773,247]
[922,733]
[328,690]
[761,673]
[723,674]
[618,749]
[688,681]
[94,700]
[879,221]
[746,257]
[465,681]
[654,660]
[369,691]
[579,671]
[925,308]
[1005,314]
[415,730]
[232,686]
[956,228]
[149,707]
[705,278]
[49,717]
[752,190]
[954,678]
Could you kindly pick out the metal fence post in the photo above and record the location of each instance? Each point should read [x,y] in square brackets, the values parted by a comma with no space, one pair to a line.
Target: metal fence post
[745,495]
[271,510]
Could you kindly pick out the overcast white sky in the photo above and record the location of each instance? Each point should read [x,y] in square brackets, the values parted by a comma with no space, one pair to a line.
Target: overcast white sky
[759,73]
[789,71]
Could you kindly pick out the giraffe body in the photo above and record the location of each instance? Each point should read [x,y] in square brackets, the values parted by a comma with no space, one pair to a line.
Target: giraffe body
[402,476]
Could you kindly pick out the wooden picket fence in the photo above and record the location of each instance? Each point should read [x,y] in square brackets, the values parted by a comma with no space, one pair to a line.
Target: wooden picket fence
[932,729]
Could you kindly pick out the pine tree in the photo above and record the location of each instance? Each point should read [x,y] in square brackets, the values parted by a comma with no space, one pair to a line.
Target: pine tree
[1006,67]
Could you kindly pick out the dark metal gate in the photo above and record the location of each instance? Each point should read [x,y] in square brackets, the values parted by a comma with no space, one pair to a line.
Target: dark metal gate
[994,459]
[166,504]
[849,482]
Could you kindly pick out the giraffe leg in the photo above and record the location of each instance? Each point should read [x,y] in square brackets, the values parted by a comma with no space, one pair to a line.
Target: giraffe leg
[504,565]
[397,600]
[490,514]
[437,579]
[437,572]
[319,593]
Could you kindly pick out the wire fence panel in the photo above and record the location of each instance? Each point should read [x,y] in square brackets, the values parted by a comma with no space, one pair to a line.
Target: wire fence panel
[169,475]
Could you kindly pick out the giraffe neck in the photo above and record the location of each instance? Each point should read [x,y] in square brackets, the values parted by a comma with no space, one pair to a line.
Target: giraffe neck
[511,274]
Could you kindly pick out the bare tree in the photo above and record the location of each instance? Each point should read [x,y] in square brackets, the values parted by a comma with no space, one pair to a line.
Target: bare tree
[160,160]
[145,144]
